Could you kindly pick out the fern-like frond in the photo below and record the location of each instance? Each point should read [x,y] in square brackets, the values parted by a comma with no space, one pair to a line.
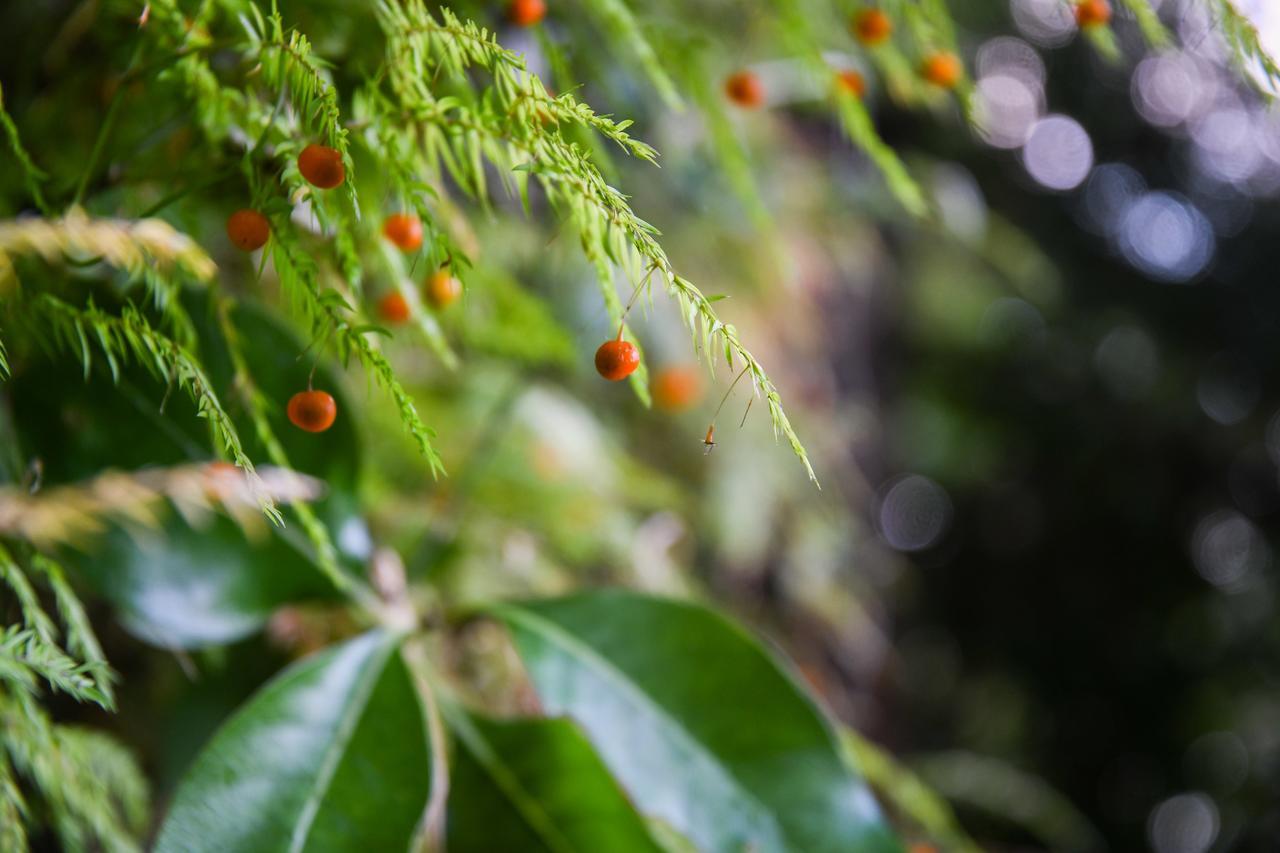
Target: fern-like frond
[26,660]
[331,318]
[290,68]
[33,615]
[30,652]
[135,246]
[495,130]
[81,641]
[89,788]
[1246,46]
[74,514]
[129,337]
[14,812]
[150,251]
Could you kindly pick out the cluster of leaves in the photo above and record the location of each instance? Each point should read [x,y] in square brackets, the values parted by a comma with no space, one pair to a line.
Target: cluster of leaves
[385,743]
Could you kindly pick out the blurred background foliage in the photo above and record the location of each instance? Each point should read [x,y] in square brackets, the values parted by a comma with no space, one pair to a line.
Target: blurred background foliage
[1040,569]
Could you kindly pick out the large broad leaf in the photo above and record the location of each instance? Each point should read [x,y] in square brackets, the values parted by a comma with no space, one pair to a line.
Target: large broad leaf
[184,587]
[535,785]
[699,723]
[330,755]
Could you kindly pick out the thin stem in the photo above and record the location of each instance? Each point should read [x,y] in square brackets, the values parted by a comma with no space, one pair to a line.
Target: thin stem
[179,194]
[107,124]
[631,301]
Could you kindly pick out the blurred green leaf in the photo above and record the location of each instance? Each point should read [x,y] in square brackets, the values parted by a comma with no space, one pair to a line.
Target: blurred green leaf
[184,587]
[535,785]
[701,725]
[349,766]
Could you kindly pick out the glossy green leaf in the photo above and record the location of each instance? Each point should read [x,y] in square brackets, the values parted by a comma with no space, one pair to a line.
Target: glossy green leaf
[184,587]
[330,755]
[535,785]
[700,724]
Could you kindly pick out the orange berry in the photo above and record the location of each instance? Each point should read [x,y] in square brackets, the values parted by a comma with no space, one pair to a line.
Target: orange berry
[442,289]
[677,388]
[871,26]
[526,13]
[852,82]
[617,359]
[393,307]
[744,89]
[321,166]
[248,229]
[942,69]
[1093,13]
[313,411]
[403,229]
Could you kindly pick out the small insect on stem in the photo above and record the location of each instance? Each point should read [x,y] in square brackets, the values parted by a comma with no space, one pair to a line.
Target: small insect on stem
[710,440]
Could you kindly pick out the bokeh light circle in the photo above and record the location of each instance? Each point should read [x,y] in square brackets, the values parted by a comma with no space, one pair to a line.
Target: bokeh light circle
[1166,236]
[1058,152]
[914,513]
[1185,823]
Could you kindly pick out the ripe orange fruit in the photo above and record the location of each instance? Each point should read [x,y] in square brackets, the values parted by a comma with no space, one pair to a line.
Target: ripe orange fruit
[404,230]
[871,27]
[617,359]
[942,69]
[393,307]
[313,411]
[852,82]
[526,13]
[677,388]
[1093,13]
[248,229]
[744,89]
[321,166]
[442,289]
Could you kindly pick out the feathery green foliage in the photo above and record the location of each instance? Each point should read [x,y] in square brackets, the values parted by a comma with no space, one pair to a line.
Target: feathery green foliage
[331,316]
[129,337]
[87,786]
[1246,48]
[148,251]
[30,653]
[504,128]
